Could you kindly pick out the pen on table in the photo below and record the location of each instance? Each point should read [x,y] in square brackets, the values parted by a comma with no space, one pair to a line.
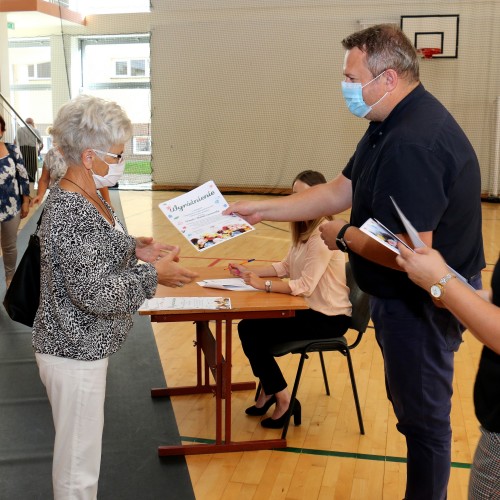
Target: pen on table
[240,264]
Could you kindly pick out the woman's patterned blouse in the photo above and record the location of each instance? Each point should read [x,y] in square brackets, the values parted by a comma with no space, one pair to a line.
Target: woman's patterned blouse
[14,183]
[91,281]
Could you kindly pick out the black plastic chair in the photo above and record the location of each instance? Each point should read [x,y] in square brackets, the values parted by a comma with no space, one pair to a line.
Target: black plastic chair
[360,319]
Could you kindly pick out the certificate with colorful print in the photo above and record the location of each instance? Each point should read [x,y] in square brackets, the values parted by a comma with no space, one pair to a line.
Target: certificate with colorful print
[198,216]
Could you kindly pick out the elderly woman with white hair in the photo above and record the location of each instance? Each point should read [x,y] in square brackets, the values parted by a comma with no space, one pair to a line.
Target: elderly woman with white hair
[91,284]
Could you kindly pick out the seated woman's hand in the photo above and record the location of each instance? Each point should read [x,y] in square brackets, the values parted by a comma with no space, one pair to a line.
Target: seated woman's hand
[236,269]
[253,279]
[149,250]
[171,273]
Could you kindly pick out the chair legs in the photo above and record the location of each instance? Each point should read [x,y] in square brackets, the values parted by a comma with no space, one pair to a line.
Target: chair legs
[303,356]
[295,389]
[355,392]
[323,369]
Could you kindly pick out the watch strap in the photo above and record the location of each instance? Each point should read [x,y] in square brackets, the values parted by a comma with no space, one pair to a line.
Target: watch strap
[441,285]
[340,241]
[446,278]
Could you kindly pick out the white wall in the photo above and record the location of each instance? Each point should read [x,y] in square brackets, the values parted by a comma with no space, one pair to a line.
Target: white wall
[248,93]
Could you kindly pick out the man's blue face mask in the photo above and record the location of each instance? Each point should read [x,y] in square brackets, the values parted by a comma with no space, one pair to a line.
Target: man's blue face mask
[353,96]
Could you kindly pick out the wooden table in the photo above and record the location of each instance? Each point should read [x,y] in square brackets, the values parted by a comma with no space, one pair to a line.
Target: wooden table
[216,352]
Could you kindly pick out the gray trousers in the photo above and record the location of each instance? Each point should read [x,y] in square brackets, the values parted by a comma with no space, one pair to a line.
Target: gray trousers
[8,237]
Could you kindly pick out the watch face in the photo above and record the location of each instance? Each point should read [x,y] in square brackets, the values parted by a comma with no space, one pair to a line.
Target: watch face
[436,291]
[268,283]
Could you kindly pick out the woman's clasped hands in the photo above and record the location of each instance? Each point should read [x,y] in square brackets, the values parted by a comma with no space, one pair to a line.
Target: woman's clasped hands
[165,259]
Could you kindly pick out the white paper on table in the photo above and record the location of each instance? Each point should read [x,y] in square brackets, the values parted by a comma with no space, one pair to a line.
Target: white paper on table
[179,303]
[233,284]
[197,215]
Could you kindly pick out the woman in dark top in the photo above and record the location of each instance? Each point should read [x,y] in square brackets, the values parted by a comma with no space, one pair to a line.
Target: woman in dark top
[480,313]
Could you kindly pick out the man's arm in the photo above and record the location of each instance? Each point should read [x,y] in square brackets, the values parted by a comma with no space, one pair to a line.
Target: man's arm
[320,200]
[362,244]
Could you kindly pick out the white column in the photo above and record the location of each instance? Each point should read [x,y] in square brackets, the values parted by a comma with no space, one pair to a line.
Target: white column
[60,79]
[5,77]
[4,57]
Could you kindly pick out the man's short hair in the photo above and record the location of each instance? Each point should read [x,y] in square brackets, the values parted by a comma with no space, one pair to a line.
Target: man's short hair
[386,47]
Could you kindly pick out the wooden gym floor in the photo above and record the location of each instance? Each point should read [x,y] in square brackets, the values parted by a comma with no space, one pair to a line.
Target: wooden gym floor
[326,457]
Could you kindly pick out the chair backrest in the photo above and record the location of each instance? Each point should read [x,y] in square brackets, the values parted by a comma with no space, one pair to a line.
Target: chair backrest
[360,303]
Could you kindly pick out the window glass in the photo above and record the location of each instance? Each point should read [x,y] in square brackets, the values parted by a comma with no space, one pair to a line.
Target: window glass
[121,68]
[43,70]
[138,67]
[117,68]
[31,81]
[142,144]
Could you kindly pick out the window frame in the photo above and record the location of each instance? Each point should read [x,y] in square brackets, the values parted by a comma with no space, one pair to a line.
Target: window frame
[128,61]
[36,71]
[135,141]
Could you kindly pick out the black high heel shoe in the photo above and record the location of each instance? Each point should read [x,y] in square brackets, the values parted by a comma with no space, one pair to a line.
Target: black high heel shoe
[253,411]
[279,423]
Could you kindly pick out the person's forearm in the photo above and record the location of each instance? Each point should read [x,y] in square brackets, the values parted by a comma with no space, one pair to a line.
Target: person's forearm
[480,317]
[323,199]
[42,188]
[360,243]
[263,270]
[277,286]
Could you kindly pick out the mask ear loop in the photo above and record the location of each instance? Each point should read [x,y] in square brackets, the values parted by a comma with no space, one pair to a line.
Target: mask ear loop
[363,86]
[373,79]
[375,103]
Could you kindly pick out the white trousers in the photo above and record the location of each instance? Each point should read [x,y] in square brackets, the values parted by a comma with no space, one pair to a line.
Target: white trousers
[76,391]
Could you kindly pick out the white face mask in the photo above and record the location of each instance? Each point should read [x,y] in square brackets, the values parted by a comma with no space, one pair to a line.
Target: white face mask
[114,174]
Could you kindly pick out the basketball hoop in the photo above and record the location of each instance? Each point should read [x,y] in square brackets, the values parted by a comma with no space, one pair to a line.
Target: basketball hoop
[428,52]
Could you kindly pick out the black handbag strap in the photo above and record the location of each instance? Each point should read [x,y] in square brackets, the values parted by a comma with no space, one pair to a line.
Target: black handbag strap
[39,222]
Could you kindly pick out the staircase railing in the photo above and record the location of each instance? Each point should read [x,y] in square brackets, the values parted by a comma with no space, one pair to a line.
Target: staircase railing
[7,104]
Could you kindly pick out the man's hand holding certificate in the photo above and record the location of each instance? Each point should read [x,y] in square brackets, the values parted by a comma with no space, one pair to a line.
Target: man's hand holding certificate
[198,216]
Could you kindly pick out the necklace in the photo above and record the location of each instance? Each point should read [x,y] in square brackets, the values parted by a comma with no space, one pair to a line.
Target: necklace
[96,199]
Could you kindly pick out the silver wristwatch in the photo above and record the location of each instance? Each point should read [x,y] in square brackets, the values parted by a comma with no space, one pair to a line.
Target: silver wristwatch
[268,284]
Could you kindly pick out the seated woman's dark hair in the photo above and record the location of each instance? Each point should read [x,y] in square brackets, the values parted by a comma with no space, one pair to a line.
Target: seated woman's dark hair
[302,230]
[310,177]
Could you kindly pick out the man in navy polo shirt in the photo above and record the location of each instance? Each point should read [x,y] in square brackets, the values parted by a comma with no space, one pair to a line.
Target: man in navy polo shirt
[415,152]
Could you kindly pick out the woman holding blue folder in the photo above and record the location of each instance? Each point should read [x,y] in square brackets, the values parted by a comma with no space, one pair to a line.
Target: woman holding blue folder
[317,274]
